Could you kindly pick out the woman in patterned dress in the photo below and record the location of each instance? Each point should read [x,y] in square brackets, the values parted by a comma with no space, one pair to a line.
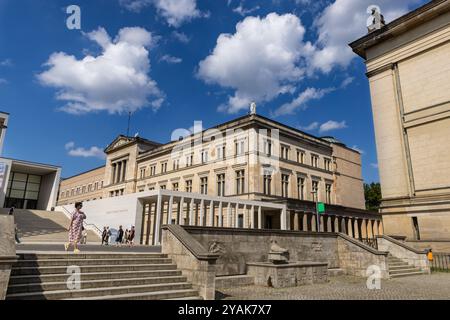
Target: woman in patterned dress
[76,227]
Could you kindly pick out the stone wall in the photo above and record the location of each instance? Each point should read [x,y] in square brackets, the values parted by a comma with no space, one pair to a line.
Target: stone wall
[7,252]
[239,246]
[194,261]
[355,258]
[398,249]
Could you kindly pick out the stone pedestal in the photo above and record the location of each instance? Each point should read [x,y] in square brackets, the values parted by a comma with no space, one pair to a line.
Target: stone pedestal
[289,274]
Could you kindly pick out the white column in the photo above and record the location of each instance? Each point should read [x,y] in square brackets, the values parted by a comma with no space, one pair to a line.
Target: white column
[220,215]
[236,217]
[191,212]
[252,217]
[260,225]
[245,225]
[229,217]
[283,219]
[158,220]
[169,211]
[180,219]
[202,212]
[211,214]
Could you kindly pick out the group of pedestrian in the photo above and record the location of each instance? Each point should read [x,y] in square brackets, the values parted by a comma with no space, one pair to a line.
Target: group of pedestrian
[122,238]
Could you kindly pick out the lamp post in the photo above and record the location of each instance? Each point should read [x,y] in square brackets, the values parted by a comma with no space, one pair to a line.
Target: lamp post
[315,197]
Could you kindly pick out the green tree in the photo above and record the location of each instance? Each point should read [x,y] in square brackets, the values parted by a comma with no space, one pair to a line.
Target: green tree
[372,193]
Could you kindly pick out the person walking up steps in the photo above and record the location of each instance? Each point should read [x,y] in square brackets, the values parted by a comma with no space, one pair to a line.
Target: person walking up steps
[75,228]
[119,237]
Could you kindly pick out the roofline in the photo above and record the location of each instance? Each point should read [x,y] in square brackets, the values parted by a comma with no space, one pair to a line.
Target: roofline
[132,141]
[5,112]
[80,174]
[32,163]
[422,13]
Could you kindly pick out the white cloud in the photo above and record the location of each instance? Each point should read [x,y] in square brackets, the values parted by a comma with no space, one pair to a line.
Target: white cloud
[6,63]
[180,36]
[332,125]
[310,127]
[175,12]
[260,61]
[374,165]
[170,59]
[92,152]
[243,11]
[344,21]
[117,80]
[356,148]
[301,101]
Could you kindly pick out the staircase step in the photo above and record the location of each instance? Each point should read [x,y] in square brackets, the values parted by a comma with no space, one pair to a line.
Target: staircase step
[57,286]
[99,292]
[397,267]
[158,295]
[14,280]
[100,255]
[91,268]
[401,271]
[85,262]
[400,275]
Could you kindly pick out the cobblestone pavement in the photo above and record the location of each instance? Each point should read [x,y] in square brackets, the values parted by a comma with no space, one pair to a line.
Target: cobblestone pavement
[428,287]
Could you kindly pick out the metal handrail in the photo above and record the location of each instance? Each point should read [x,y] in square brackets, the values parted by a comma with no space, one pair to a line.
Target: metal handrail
[87,226]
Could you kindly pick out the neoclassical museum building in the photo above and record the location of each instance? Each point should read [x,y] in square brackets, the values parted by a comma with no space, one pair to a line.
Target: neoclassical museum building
[250,172]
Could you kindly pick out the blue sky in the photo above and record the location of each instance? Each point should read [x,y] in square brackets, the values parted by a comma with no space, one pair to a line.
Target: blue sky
[176,61]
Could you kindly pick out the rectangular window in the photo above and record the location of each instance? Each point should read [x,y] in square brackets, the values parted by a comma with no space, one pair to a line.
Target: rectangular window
[315,190]
[220,152]
[204,185]
[142,173]
[285,152]
[268,148]
[314,161]
[301,188]
[221,185]
[188,185]
[267,183]
[327,164]
[285,185]
[164,167]
[301,156]
[175,186]
[328,193]
[204,156]
[189,160]
[240,181]
[163,187]
[240,147]
[152,170]
[176,164]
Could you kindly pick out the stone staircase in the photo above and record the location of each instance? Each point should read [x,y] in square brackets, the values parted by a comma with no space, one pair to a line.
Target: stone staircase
[398,268]
[45,226]
[104,276]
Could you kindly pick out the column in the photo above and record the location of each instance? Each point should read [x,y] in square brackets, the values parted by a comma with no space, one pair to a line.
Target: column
[260,218]
[124,170]
[158,220]
[356,234]
[169,210]
[363,225]
[211,214]
[370,229]
[380,227]
[296,221]
[236,217]
[191,212]
[180,216]
[329,224]
[229,217]
[349,225]
[113,169]
[284,219]
[322,223]
[202,213]
[119,170]
[305,222]
[220,215]
[313,222]
[252,217]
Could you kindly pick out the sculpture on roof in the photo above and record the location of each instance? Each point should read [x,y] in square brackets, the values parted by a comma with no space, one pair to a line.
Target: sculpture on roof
[376,19]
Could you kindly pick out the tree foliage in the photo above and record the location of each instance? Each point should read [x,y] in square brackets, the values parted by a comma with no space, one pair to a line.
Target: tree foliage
[372,193]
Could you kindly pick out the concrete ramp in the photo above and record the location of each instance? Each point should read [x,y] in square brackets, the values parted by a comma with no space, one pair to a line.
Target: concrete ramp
[45,226]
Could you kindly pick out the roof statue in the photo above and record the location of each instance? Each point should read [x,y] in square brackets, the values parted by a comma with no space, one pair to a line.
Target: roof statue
[253,108]
[376,19]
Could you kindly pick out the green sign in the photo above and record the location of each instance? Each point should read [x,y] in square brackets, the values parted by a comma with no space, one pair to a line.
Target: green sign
[321,207]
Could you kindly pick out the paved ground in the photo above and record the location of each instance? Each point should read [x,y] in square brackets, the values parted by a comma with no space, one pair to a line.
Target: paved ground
[428,287]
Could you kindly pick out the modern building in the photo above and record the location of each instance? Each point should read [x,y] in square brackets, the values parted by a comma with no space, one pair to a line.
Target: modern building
[251,158]
[408,66]
[24,184]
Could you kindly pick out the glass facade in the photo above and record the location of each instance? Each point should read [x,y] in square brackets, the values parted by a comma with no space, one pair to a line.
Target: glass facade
[23,190]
